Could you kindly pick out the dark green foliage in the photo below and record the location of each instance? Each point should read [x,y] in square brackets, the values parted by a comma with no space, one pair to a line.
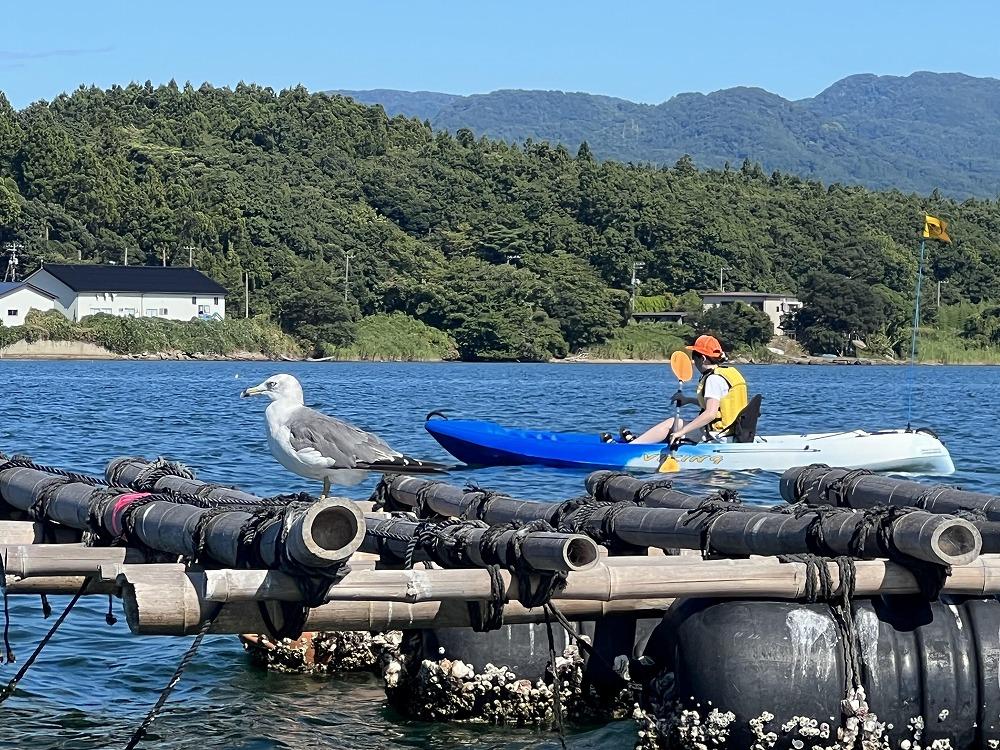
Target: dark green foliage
[837,310]
[736,325]
[515,252]
[983,328]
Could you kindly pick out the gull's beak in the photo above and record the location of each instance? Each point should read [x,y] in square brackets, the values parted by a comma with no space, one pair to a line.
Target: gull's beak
[257,389]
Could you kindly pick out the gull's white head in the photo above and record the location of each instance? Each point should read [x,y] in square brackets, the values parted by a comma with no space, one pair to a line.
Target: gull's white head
[277,388]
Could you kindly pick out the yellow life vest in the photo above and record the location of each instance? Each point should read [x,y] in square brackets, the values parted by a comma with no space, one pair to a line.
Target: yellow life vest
[732,403]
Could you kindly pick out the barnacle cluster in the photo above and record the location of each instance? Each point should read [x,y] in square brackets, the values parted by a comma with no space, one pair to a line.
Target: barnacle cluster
[663,722]
[453,690]
[324,652]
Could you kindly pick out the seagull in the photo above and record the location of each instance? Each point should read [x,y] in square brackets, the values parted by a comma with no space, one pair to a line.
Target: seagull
[316,446]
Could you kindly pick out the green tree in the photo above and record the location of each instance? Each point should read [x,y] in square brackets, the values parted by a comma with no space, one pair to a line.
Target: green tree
[736,325]
[836,310]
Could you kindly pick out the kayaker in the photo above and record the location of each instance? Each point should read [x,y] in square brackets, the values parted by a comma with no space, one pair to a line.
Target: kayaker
[721,394]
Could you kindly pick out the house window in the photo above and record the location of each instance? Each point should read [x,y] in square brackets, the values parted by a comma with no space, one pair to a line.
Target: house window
[12,313]
[203,310]
[215,301]
[163,311]
[150,312]
[194,300]
[128,312]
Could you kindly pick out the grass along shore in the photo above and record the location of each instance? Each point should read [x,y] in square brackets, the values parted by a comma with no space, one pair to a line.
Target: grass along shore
[399,338]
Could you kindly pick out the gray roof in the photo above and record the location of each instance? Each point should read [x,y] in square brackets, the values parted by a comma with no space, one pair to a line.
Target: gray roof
[6,287]
[161,279]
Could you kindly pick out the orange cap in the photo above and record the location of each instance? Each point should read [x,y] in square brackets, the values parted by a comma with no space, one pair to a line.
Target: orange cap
[707,345]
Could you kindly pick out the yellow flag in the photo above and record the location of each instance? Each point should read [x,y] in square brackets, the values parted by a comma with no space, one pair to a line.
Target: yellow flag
[936,229]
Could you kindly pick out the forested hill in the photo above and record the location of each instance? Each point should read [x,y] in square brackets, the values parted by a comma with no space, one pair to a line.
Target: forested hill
[921,132]
[515,251]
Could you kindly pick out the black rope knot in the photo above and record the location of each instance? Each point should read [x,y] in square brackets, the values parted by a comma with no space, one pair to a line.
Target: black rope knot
[707,513]
[600,488]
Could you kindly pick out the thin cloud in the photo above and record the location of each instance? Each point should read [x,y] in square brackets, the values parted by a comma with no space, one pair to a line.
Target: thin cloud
[11,58]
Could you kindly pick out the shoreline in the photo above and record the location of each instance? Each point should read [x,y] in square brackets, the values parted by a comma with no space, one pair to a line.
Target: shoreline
[260,357]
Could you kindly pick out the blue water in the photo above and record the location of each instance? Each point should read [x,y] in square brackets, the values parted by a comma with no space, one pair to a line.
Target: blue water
[94,683]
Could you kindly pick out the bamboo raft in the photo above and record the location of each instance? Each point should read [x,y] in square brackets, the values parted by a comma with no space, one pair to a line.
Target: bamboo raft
[188,557]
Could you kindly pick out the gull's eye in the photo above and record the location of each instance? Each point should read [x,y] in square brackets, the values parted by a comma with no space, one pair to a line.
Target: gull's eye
[271,385]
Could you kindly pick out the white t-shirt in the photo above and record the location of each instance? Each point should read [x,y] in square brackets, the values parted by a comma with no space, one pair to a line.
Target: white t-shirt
[716,387]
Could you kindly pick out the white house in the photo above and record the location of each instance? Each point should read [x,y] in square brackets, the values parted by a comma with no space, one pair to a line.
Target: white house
[17,297]
[171,292]
[775,305]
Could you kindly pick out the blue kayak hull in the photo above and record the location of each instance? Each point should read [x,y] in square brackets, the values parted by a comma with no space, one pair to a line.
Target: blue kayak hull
[482,443]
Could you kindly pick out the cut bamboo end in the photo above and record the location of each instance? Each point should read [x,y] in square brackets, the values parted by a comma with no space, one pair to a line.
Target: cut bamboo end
[581,553]
[329,532]
[957,543]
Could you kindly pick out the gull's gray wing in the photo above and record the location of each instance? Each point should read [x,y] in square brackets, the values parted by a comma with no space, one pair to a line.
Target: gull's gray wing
[328,441]
[343,444]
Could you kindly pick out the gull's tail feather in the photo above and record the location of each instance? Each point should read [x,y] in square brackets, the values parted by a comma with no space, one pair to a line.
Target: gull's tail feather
[404,465]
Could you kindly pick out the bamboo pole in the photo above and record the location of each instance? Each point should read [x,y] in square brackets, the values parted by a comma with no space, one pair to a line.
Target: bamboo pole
[324,533]
[925,536]
[59,585]
[540,549]
[30,532]
[167,602]
[712,578]
[29,560]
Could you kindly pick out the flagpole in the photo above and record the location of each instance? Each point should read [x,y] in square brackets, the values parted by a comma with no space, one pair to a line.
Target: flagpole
[913,339]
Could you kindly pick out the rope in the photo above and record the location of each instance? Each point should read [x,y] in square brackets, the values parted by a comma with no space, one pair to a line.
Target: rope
[707,513]
[313,583]
[838,488]
[556,683]
[141,730]
[12,685]
[649,486]
[199,535]
[600,489]
[154,471]
[492,619]
[23,462]
[9,657]
[479,507]
[819,587]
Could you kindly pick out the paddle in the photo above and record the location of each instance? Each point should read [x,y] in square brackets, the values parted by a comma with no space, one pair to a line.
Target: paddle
[683,370]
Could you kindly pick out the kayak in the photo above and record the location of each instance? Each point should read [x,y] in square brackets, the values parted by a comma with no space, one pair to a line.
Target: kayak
[482,443]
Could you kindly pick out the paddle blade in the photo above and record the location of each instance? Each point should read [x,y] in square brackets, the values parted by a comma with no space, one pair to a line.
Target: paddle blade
[681,365]
[669,466]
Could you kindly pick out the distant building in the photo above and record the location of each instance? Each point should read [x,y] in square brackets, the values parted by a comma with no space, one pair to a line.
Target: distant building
[775,305]
[18,297]
[671,316]
[171,292]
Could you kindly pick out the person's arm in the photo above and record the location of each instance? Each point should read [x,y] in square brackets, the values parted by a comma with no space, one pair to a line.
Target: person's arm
[708,416]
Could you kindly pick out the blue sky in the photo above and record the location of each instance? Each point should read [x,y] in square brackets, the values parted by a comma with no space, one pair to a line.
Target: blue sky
[644,51]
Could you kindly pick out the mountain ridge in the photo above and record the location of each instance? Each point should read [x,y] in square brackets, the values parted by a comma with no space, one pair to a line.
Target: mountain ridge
[915,133]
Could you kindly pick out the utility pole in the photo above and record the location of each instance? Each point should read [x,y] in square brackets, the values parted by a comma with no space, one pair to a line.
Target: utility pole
[126,255]
[13,248]
[348,255]
[246,295]
[164,256]
[190,249]
[724,268]
[636,265]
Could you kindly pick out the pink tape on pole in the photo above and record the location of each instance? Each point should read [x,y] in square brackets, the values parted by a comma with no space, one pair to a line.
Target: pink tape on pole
[121,504]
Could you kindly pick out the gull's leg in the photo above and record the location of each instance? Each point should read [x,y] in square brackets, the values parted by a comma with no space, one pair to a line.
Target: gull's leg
[326,488]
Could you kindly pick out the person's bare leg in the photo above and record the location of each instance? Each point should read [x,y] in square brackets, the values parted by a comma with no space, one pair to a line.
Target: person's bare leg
[658,433]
